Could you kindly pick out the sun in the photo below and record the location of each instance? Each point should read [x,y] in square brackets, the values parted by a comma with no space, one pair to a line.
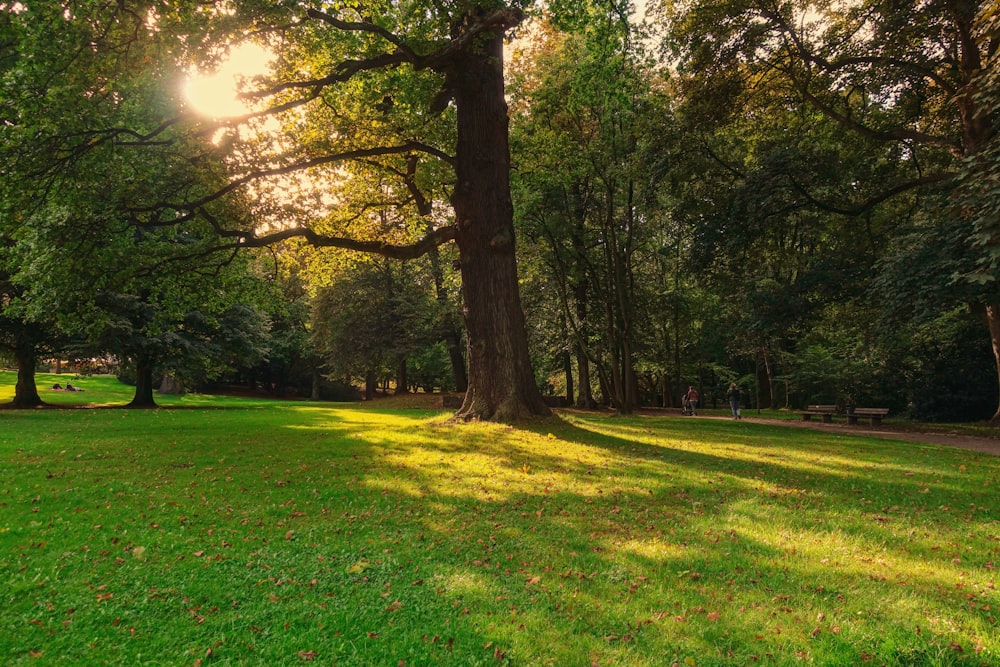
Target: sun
[215,94]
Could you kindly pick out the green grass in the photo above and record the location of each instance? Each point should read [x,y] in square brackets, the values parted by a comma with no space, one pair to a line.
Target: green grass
[223,531]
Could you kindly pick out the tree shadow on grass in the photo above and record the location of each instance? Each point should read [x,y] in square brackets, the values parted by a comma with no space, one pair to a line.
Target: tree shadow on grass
[617,541]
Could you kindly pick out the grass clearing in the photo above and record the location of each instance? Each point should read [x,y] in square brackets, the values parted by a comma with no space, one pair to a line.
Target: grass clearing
[223,531]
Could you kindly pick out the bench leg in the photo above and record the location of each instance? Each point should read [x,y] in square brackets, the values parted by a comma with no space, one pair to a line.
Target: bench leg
[876,420]
[852,419]
[827,419]
[806,418]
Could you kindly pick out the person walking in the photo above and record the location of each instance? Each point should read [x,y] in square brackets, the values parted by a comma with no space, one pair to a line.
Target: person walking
[733,396]
[692,397]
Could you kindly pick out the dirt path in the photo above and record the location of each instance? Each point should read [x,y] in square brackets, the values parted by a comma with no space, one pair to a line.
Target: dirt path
[979,444]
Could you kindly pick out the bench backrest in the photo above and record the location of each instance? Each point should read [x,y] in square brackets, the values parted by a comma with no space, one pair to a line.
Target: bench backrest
[871,411]
[822,408]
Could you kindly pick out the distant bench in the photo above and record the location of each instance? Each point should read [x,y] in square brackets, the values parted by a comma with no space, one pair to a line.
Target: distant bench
[874,415]
[825,411]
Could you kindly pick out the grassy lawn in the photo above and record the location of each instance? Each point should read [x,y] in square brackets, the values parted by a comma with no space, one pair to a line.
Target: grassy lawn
[222,531]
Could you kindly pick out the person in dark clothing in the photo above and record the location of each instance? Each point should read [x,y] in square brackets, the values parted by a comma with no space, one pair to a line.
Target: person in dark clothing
[733,396]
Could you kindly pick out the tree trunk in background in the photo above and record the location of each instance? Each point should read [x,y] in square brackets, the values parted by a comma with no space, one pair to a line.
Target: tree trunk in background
[371,385]
[315,393]
[501,382]
[585,395]
[449,329]
[26,391]
[993,319]
[171,385]
[567,362]
[771,399]
[143,384]
[401,379]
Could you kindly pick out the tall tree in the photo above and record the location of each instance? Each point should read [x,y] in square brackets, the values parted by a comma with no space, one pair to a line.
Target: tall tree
[376,86]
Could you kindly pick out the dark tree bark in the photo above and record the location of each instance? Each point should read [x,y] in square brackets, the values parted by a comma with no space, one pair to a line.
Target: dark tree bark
[26,391]
[314,395]
[501,382]
[993,320]
[567,363]
[143,384]
[402,382]
[371,385]
[585,398]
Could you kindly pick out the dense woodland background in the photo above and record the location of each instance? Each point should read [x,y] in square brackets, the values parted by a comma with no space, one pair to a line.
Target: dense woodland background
[802,198]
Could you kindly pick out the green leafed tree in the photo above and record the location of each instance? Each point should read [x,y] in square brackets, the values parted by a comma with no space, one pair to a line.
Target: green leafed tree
[906,79]
[582,193]
[394,107]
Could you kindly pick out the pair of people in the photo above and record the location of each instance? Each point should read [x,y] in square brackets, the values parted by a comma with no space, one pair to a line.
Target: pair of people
[690,400]
[68,387]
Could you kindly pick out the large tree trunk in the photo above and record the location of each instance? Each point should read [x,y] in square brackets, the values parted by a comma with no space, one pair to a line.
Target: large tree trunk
[143,384]
[26,391]
[501,383]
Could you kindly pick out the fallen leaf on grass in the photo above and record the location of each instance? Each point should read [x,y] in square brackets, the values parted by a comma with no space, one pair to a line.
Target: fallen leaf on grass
[307,655]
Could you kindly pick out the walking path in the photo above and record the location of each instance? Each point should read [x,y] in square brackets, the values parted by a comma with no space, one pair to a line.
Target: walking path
[979,444]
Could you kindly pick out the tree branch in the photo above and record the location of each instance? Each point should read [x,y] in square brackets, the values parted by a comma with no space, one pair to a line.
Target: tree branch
[407,147]
[432,240]
[871,203]
[361,26]
[901,134]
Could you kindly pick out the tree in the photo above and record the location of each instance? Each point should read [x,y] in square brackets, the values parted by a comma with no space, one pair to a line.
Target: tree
[371,320]
[23,339]
[579,126]
[85,152]
[904,75]
[370,91]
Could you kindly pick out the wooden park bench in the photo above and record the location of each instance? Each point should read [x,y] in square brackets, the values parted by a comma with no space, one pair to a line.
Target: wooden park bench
[874,415]
[825,411]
